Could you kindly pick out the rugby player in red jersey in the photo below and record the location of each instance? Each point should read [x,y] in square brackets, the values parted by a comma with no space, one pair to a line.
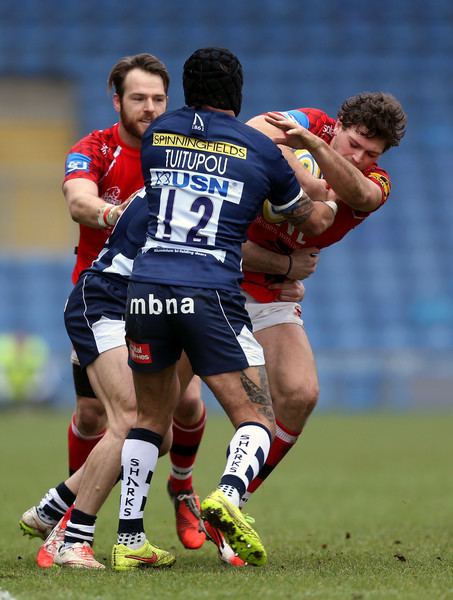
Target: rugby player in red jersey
[353,186]
[102,171]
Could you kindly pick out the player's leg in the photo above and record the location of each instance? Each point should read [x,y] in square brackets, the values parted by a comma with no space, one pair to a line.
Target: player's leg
[111,379]
[245,398]
[157,395]
[88,423]
[294,388]
[100,345]
[188,426]
[222,350]
[39,520]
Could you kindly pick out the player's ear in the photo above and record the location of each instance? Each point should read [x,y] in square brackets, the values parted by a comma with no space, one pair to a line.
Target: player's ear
[116,102]
[337,127]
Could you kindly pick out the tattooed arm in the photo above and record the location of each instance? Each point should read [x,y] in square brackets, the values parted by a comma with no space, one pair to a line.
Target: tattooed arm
[312,218]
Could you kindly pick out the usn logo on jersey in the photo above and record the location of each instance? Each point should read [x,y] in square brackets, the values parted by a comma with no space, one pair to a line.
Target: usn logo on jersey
[217,187]
[77,162]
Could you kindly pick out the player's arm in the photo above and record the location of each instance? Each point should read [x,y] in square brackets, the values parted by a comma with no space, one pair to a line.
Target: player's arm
[314,187]
[86,207]
[300,264]
[354,189]
[323,210]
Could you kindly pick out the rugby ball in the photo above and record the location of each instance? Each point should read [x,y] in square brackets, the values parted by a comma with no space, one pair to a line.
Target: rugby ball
[307,160]
[304,157]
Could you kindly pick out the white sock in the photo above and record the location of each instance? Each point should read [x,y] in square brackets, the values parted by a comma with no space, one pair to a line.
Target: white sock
[246,453]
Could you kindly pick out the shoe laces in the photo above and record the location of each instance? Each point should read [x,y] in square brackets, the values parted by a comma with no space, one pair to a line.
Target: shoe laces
[83,549]
[190,500]
[55,539]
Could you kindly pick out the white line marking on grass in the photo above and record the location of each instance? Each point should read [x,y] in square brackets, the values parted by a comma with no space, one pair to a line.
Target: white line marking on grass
[4,595]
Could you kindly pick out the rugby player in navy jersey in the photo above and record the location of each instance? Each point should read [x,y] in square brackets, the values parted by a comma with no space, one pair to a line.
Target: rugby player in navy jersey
[206,177]
[102,165]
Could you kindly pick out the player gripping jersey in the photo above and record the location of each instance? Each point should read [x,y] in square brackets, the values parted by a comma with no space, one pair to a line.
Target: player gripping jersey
[284,237]
[102,157]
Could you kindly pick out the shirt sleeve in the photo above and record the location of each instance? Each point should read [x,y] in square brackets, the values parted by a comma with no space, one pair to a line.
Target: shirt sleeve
[285,190]
[382,179]
[85,160]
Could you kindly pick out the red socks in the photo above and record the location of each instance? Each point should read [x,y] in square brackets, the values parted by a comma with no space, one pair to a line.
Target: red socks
[283,442]
[186,440]
[79,446]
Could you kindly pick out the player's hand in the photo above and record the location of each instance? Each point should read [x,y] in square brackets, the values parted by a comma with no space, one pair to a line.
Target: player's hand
[293,135]
[304,263]
[291,290]
[122,207]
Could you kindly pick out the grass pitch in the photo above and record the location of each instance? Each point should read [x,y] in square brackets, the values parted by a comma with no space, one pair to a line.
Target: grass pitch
[361,509]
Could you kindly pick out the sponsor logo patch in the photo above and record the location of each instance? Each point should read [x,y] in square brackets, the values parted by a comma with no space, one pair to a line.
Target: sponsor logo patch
[382,181]
[221,188]
[144,559]
[112,195]
[182,141]
[77,162]
[197,124]
[139,353]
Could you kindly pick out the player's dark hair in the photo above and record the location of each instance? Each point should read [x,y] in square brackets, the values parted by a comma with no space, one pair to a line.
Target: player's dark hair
[145,62]
[213,76]
[380,114]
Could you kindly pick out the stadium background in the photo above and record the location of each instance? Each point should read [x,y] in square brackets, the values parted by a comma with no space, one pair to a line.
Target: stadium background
[379,311]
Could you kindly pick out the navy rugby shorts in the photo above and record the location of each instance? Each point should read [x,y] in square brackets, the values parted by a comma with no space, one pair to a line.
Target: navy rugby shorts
[94,316]
[212,326]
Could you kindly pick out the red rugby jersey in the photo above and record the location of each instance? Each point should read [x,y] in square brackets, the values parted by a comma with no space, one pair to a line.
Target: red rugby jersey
[284,237]
[115,168]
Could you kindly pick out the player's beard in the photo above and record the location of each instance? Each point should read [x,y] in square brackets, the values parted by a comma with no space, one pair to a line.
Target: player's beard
[130,126]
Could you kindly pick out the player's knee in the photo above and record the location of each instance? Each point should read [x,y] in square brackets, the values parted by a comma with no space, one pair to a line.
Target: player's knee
[90,417]
[190,408]
[122,421]
[294,406]
[310,396]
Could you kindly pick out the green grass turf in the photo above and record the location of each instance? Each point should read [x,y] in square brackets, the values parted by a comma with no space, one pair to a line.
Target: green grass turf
[362,508]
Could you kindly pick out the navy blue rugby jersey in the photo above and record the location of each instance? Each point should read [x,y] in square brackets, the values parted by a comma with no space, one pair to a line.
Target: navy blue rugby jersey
[206,176]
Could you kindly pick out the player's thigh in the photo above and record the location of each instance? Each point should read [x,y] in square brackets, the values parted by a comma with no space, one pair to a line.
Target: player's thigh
[112,382]
[290,363]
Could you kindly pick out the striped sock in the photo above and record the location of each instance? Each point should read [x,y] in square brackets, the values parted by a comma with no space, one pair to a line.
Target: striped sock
[80,528]
[246,454]
[55,503]
[138,462]
[186,440]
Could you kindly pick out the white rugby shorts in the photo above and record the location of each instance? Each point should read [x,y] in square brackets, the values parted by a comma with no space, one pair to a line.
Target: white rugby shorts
[269,314]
